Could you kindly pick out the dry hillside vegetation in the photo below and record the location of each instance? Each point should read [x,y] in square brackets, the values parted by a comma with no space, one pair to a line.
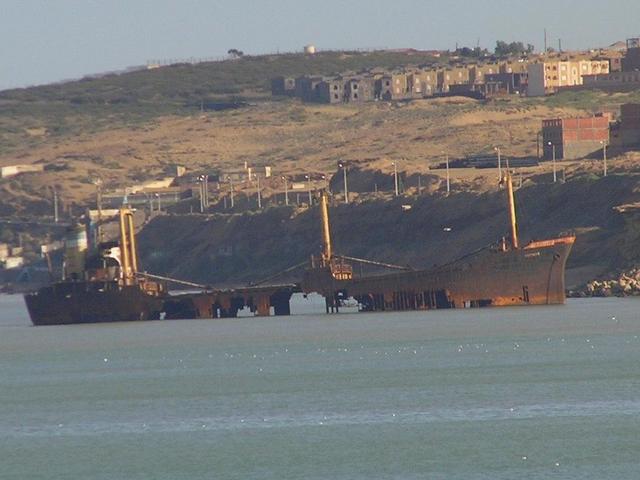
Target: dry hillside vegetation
[290,136]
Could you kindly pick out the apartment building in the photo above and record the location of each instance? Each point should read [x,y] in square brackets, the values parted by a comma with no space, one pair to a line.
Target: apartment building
[360,89]
[512,66]
[422,84]
[477,72]
[392,86]
[452,76]
[330,91]
[549,76]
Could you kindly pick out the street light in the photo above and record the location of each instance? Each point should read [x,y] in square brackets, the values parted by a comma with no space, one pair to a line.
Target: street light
[202,200]
[604,156]
[343,166]
[497,149]
[286,190]
[553,156]
[395,177]
[230,189]
[55,205]
[259,194]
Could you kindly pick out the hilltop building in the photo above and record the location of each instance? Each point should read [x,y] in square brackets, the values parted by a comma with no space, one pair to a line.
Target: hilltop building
[619,81]
[392,86]
[551,75]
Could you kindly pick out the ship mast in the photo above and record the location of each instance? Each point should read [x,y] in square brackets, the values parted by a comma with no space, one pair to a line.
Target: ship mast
[326,232]
[128,246]
[512,212]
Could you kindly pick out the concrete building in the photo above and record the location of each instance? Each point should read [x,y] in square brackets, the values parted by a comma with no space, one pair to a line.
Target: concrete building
[477,72]
[506,83]
[549,76]
[305,88]
[613,82]
[629,125]
[357,90]
[283,86]
[574,138]
[513,66]
[614,58]
[619,81]
[422,83]
[13,170]
[331,91]
[452,76]
[631,60]
[392,86]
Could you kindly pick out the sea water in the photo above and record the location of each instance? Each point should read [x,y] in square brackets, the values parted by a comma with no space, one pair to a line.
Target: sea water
[494,393]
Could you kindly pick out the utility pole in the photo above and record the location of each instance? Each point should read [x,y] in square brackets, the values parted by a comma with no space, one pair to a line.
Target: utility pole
[286,191]
[604,156]
[98,183]
[395,177]
[545,41]
[446,162]
[343,166]
[497,149]
[553,157]
[231,190]
[309,186]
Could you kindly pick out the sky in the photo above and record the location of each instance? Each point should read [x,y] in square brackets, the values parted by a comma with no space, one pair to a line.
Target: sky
[43,41]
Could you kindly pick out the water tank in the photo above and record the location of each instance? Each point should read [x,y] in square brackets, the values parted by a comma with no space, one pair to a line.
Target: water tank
[309,49]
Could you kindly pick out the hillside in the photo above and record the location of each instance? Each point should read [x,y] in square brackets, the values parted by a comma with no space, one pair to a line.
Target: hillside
[293,138]
[32,116]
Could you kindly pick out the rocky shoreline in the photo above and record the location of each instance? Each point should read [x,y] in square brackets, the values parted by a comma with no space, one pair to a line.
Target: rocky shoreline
[624,284]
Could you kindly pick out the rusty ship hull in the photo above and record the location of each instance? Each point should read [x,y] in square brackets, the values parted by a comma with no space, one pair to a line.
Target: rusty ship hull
[531,275]
[66,303]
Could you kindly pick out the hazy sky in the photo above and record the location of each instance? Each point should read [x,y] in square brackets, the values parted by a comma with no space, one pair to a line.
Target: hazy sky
[48,40]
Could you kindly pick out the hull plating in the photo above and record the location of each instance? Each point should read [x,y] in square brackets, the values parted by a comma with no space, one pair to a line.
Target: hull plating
[531,275]
[91,302]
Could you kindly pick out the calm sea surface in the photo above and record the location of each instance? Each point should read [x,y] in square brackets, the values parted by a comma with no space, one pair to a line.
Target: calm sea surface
[503,393]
